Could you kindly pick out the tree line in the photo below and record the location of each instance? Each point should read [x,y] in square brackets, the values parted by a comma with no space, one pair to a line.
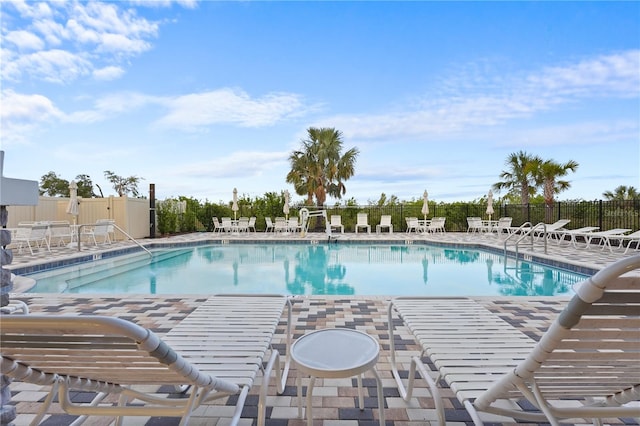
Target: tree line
[320,168]
[53,185]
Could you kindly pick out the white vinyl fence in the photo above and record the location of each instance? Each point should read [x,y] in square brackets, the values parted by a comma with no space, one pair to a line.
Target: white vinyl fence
[130,214]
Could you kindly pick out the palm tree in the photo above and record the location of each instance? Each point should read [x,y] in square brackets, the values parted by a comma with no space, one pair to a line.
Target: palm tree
[621,193]
[519,177]
[547,173]
[319,169]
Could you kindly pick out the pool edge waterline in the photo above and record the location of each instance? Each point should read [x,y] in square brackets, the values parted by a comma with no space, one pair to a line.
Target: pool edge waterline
[355,287]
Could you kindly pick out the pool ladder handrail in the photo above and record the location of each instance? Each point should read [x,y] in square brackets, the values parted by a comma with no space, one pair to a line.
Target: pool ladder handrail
[115,227]
[530,232]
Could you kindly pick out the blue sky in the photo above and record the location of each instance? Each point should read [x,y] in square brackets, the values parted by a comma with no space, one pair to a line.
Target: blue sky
[202,97]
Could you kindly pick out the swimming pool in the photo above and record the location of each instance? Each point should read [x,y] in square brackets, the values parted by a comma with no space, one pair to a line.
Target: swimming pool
[316,269]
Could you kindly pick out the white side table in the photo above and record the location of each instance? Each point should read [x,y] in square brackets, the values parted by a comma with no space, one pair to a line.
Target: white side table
[336,353]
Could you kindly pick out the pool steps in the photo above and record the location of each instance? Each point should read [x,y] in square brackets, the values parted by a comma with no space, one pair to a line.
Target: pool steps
[111,267]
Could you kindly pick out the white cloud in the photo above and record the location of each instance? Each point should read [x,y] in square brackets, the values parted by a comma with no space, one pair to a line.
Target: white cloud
[582,133]
[56,66]
[189,4]
[616,74]
[490,105]
[22,114]
[230,106]
[17,106]
[64,41]
[238,164]
[108,73]
[24,40]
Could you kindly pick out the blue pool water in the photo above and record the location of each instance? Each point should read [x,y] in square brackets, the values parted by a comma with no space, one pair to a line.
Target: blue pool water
[385,270]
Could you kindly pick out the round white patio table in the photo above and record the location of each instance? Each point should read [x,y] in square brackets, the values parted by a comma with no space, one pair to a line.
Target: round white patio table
[336,353]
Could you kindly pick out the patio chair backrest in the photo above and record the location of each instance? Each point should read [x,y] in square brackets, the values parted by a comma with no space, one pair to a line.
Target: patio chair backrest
[362,219]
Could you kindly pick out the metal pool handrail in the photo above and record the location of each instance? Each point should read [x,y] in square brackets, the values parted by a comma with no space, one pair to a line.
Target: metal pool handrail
[119,229]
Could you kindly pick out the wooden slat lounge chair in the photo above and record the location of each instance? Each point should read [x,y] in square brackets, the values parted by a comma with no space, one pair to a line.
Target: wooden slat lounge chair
[589,354]
[216,351]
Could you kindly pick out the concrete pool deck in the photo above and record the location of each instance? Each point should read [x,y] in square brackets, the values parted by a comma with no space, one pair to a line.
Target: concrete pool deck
[334,399]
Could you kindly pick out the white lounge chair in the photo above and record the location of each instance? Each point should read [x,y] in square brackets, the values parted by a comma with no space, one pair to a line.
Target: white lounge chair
[550,230]
[362,222]
[604,238]
[336,223]
[573,233]
[217,350]
[385,223]
[634,237]
[589,354]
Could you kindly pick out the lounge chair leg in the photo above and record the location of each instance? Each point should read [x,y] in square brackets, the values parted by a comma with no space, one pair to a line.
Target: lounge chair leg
[360,396]
[46,404]
[416,363]
[433,387]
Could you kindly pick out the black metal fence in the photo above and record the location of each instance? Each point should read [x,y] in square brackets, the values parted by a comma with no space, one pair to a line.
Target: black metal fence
[603,214]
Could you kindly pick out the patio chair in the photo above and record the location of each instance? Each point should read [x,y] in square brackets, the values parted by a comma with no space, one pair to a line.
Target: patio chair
[243,224]
[504,225]
[33,235]
[436,225]
[385,223]
[102,229]
[336,223]
[362,221]
[252,224]
[474,224]
[268,225]
[60,233]
[413,224]
[217,226]
[293,225]
[281,225]
[111,230]
[227,224]
[589,354]
[216,351]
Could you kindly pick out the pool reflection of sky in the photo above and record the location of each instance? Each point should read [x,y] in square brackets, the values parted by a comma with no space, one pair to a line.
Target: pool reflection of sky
[314,270]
